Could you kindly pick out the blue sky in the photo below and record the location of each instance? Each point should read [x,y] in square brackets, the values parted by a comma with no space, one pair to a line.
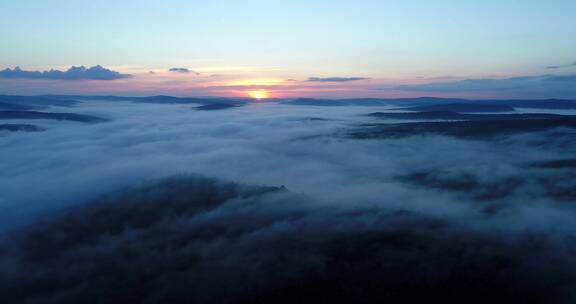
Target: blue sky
[391,42]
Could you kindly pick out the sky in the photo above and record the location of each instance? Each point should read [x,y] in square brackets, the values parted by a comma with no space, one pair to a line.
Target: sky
[297,48]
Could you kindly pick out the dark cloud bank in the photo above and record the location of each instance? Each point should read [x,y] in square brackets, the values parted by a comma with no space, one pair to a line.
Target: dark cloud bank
[74,73]
[298,210]
[336,79]
[555,67]
[182,71]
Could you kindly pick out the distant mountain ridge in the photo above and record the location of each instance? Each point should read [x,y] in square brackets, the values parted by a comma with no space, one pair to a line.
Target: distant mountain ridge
[17,107]
[462,108]
[448,115]
[71,100]
[49,115]
[36,101]
[20,127]
[556,104]
[162,99]
[467,129]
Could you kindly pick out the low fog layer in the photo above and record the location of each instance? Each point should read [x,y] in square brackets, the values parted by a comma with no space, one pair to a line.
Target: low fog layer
[299,210]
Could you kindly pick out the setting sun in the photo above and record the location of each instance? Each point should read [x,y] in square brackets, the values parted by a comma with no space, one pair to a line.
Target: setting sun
[259,94]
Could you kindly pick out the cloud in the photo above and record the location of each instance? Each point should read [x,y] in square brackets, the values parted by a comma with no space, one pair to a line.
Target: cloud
[347,218]
[183,71]
[554,67]
[207,143]
[336,79]
[543,85]
[74,73]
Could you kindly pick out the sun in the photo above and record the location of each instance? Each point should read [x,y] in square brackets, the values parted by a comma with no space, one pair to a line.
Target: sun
[259,94]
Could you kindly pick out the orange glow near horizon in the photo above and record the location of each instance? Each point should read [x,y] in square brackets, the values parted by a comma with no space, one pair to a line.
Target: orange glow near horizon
[259,94]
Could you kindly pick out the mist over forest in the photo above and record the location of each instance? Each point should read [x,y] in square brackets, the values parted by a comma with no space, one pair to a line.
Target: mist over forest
[228,200]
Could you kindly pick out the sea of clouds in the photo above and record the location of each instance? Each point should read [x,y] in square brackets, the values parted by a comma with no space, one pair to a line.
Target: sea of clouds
[346,202]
